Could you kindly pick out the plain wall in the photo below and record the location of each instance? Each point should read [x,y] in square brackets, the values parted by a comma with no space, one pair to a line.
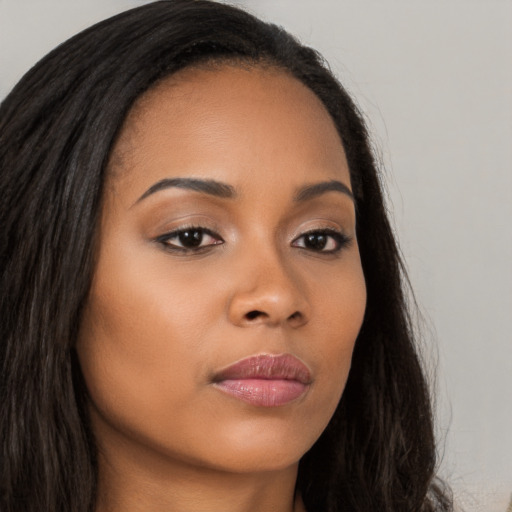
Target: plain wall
[434,79]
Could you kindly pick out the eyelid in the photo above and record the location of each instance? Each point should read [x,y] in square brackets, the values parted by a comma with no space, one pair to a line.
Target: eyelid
[164,238]
[342,239]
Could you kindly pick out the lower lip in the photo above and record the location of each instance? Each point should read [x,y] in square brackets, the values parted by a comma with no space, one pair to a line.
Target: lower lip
[263,392]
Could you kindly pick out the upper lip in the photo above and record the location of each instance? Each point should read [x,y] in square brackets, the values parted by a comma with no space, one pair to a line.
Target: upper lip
[268,367]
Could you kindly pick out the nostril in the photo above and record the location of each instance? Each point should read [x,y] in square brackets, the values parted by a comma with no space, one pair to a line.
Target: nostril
[255,314]
[252,315]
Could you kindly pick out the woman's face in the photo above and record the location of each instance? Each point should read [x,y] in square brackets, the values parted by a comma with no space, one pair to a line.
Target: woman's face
[227,236]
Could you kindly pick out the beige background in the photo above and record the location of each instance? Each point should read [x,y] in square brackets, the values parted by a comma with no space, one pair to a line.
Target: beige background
[434,79]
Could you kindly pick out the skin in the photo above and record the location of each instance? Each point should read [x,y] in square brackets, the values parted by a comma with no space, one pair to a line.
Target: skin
[161,322]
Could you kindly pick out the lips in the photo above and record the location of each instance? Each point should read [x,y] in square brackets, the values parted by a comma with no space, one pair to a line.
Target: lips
[265,380]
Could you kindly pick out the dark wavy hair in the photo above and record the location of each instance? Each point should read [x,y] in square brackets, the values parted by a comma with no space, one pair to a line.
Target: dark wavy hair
[57,130]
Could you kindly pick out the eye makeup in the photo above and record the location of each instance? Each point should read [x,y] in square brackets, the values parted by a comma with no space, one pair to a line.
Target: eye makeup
[190,239]
[327,241]
[197,239]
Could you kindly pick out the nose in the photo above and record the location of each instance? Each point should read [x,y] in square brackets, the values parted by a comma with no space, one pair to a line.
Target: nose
[267,292]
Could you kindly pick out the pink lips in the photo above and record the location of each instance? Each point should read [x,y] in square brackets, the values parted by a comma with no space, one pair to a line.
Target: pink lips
[265,380]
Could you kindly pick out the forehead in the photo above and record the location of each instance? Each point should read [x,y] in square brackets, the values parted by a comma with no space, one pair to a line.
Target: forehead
[230,123]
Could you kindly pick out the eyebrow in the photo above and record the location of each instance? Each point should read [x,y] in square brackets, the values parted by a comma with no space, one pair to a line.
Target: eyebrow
[211,187]
[317,189]
[225,191]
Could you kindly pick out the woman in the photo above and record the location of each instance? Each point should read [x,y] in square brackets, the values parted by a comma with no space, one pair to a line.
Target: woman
[195,252]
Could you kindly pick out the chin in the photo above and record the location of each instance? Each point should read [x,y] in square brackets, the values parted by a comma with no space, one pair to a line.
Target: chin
[264,448]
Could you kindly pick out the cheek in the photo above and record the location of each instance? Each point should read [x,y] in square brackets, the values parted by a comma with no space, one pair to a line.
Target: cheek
[145,309]
[139,345]
[340,308]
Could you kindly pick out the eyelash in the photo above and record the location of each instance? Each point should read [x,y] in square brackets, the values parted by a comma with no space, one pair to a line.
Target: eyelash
[164,239]
[340,239]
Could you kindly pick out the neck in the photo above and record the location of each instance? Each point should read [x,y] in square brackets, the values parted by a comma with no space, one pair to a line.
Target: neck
[138,482]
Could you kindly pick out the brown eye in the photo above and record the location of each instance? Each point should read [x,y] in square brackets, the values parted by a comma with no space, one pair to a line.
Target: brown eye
[190,239]
[325,240]
[317,241]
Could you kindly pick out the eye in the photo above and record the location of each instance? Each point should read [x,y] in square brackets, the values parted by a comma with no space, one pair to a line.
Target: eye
[190,239]
[322,240]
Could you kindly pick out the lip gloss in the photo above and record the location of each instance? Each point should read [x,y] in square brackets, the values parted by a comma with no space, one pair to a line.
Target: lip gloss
[265,380]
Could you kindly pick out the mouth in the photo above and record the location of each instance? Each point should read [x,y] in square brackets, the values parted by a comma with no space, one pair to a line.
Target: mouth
[265,380]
